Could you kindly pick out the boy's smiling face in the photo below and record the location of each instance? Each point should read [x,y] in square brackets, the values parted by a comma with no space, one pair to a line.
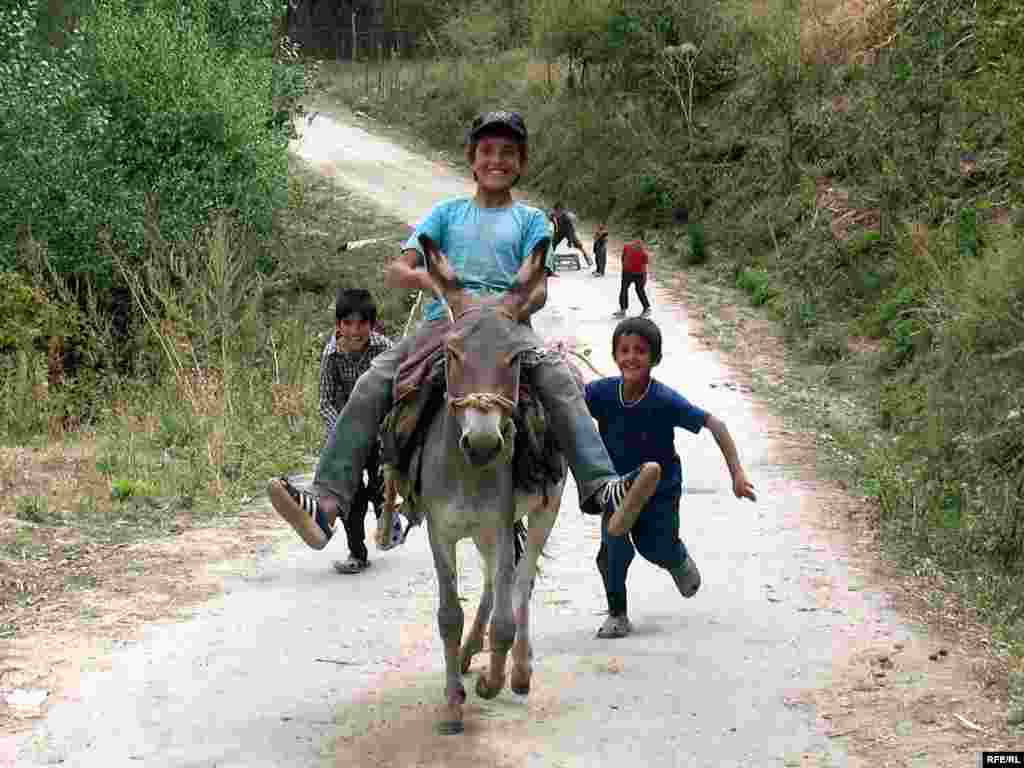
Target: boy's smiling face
[352,333]
[498,162]
[633,356]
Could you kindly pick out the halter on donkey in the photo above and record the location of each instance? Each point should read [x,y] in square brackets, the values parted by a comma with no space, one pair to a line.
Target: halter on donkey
[468,483]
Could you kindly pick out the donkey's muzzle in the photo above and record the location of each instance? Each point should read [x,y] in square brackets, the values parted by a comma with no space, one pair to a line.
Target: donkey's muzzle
[482,448]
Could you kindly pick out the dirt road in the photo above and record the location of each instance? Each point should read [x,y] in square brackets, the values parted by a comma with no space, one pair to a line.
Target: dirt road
[784,657]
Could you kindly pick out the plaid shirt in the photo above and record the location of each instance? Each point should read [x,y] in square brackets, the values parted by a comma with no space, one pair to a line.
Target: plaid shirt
[339,371]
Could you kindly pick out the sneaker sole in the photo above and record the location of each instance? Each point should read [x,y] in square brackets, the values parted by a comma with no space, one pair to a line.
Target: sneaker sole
[295,516]
[344,570]
[643,488]
[692,588]
[626,632]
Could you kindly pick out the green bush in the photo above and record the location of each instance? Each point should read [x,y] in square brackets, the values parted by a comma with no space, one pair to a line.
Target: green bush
[698,251]
[757,283]
[55,173]
[160,101]
[27,315]
[191,119]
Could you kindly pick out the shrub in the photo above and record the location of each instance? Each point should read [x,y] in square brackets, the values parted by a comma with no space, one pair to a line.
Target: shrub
[698,252]
[756,282]
[162,101]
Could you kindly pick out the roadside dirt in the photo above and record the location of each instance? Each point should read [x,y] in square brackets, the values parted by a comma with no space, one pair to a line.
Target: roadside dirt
[65,631]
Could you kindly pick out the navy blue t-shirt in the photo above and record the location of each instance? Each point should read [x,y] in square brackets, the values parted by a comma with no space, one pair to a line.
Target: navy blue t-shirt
[645,430]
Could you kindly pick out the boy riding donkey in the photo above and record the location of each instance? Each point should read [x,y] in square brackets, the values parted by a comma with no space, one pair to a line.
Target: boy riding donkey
[486,239]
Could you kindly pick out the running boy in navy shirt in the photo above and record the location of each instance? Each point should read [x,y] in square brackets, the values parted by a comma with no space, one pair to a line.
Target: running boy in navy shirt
[637,416]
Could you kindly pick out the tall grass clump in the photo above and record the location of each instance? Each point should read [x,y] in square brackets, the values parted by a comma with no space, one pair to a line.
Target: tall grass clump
[952,486]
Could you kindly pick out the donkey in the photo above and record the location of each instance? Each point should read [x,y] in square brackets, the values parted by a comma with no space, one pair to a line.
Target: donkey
[468,487]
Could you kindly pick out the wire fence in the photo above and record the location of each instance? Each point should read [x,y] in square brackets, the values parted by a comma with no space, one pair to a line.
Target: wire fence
[379,79]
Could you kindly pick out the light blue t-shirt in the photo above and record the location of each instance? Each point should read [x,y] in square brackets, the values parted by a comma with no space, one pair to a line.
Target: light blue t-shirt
[485,246]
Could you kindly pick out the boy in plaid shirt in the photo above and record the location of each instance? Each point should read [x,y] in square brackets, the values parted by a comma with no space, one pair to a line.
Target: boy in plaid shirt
[346,356]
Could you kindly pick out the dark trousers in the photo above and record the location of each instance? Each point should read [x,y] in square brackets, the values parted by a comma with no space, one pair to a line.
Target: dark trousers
[639,279]
[655,535]
[372,492]
[600,259]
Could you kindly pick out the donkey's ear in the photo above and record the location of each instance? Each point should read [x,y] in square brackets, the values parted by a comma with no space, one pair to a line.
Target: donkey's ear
[438,266]
[441,270]
[535,268]
[531,274]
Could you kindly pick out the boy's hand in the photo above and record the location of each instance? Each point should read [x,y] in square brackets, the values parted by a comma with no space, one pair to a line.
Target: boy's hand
[742,488]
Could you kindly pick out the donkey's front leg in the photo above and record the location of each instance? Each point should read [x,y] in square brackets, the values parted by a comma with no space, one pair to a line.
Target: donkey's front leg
[449,622]
[522,667]
[474,642]
[503,627]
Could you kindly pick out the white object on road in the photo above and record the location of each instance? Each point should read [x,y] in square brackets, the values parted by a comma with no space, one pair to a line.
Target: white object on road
[566,255]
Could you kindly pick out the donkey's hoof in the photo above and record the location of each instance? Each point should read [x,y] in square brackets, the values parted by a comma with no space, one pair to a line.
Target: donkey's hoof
[466,656]
[520,683]
[485,690]
[450,727]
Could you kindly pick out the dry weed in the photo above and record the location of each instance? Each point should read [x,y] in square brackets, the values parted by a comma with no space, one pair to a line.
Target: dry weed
[288,399]
[203,390]
[846,218]
[845,31]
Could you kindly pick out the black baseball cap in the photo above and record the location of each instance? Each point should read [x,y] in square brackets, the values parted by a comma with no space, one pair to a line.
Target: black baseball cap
[511,121]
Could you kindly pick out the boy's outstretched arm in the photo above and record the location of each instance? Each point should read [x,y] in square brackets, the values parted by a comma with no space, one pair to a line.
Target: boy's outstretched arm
[742,488]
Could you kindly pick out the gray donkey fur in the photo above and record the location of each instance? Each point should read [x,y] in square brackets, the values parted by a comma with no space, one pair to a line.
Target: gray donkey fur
[468,488]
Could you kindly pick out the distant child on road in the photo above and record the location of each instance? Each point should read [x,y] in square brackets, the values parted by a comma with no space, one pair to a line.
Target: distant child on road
[346,356]
[564,224]
[634,272]
[600,249]
[637,416]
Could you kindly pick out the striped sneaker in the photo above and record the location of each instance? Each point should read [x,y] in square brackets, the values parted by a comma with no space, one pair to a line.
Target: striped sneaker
[302,511]
[622,500]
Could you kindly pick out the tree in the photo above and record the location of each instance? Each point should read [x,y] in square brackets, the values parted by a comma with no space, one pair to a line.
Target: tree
[576,29]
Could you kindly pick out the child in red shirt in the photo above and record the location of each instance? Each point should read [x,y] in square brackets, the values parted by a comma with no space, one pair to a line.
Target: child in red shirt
[634,272]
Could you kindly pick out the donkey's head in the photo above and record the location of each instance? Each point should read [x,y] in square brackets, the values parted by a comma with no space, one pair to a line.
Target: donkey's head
[482,355]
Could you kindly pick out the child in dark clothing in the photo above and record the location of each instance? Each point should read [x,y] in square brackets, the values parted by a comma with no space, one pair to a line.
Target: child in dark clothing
[637,416]
[347,355]
[600,250]
[564,225]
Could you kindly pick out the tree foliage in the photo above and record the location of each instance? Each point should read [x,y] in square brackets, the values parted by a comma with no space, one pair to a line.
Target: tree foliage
[161,100]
